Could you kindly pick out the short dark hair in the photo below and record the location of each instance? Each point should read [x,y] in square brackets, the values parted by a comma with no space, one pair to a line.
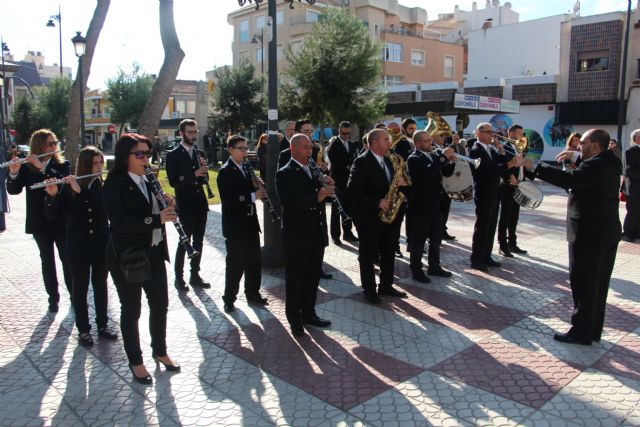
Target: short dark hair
[123,149]
[600,136]
[514,128]
[300,123]
[380,126]
[187,122]
[345,124]
[233,140]
[406,122]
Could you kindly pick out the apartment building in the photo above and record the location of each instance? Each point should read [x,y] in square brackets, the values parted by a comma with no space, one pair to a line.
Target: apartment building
[410,54]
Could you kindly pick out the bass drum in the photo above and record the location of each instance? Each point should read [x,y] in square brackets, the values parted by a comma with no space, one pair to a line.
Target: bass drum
[459,186]
[528,195]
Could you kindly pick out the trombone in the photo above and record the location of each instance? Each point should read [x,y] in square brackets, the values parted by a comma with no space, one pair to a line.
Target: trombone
[474,162]
[21,160]
[521,144]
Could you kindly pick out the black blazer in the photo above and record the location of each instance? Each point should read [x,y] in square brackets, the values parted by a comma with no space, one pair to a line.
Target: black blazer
[304,223]
[367,185]
[515,171]
[426,181]
[87,225]
[592,208]
[238,211]
[632,163]
[190,196]
[36,222]
[486,177]
[129,213]
[403,148]
[341,160]
[284,144]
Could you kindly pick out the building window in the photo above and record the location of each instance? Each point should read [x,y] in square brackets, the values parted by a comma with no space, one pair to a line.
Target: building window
[376,31]
[312,15]
[191,107]
[244,31]
[243,55]
[449,66]
[181,106]
[593,60]
[279,18]
[417,57]
[259,22]
[391,80]
[392,52]
[259,55]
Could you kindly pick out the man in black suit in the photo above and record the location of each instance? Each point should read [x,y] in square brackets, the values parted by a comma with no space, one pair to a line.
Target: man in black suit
[371,174]
[509,208]
[304,234]
[593,231]
[186,171]
[632,184]
[240,226]
[289,131]
[426,169]
[341,153]
[439,134]
[486,196]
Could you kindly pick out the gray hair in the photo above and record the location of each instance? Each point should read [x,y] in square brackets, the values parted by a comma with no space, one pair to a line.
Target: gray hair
[635,134]
[481,124]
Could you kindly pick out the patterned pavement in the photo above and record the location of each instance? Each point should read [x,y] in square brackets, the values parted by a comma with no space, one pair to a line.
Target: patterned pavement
[477,349]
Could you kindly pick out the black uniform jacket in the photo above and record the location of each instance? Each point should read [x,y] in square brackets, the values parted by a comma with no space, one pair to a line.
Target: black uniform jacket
[592,208]
[426,180]
[486,177]
[632,164]
[341,160]
[36,221]
[304,223]
[403,148]
[190,196]
[129,213]
[238,211]
[367,185]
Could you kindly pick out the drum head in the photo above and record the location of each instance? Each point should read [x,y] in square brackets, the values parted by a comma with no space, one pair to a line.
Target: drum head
[461,179]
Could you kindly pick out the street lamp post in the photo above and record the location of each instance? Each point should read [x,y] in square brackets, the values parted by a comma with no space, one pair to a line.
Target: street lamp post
[58,18]
[622,106]
[79,45]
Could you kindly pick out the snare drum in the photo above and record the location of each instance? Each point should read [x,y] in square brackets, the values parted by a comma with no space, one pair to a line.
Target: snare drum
[459,185]
[528,195]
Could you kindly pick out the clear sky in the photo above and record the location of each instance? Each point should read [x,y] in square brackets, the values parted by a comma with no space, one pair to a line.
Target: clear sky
[131,30]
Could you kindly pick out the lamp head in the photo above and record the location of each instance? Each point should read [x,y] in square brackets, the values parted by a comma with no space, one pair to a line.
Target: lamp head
[79,44]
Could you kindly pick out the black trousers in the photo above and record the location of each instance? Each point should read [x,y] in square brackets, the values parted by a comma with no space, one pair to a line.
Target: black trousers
[381,238]
[130,305]
[484,230]
[46,242]
[243,257]
[425,225]
[301,283]
[85,266]
[194,226]
[590,268]
[336,219]
[445,207]
[632,219]
[509,215]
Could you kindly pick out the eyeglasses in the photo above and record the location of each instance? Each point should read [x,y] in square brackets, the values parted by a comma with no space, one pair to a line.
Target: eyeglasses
[141,154]
[52,144]
[241,148]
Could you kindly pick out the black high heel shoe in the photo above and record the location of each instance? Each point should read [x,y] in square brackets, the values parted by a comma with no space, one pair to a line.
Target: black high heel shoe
[172,368]
[142,380]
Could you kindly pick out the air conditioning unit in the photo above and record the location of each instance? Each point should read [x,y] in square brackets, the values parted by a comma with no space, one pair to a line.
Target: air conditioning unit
[176,115]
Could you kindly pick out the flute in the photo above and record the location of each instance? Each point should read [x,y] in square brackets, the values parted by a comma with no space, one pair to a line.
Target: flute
[22,160]
[256,182]
[60,181]
[315,170]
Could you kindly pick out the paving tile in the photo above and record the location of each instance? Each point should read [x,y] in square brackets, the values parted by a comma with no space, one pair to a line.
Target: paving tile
[623,358]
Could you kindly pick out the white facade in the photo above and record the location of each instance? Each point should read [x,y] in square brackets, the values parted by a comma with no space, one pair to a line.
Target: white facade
[474,20]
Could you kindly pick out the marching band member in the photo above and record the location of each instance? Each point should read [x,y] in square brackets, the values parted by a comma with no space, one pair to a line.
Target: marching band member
[439,132]
[45,232]
[80,202]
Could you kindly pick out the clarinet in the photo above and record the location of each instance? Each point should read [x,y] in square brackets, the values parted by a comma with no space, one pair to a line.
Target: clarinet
[205,178]
[159,194]
[246,165]
[315,170]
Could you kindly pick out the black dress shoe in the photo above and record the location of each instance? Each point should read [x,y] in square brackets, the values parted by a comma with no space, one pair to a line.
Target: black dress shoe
[228,307]
[479,266]
[316,321]
[180,284]
[420,277]
[350,238]
[172,368]
[257,299]
[372,297]
[571,339]
[142,380]
[324,275]
[392,292]
[516,250]
[447,236]
[440,272]
[491,262]
[337,241]
[105,332]
[196,280]
[297,331]
[53,307]
[505,252]
[85,339]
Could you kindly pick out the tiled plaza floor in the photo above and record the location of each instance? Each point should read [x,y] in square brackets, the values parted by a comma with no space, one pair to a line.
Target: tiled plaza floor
[477,349]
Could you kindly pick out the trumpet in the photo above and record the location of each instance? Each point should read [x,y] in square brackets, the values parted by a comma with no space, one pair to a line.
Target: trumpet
[521,144]
[315,170]
[60,181]
[19,161]
[474,162]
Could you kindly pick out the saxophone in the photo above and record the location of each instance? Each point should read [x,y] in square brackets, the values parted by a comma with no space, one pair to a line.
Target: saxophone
[394,196]
[320,156]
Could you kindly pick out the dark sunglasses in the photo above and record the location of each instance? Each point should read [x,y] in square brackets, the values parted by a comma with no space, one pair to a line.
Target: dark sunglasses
[141,154]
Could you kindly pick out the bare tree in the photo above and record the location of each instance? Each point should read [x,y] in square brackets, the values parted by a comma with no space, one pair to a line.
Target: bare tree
[73,122]
[173,56]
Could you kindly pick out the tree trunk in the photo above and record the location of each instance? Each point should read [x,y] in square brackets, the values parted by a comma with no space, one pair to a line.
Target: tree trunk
[173,56]
[73,122]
